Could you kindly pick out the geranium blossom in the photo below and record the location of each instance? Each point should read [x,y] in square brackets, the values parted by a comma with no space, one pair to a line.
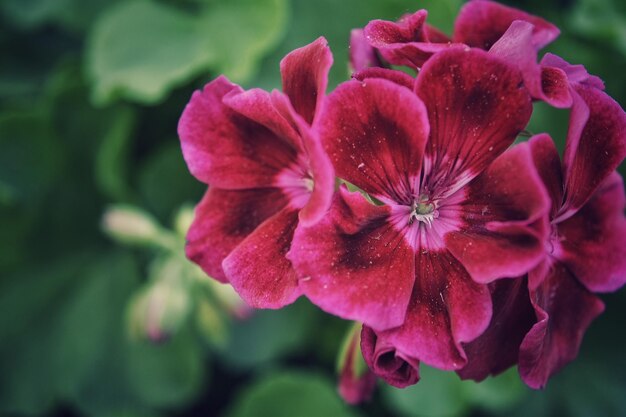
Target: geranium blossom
[453,216]
[542,326]
[266,172]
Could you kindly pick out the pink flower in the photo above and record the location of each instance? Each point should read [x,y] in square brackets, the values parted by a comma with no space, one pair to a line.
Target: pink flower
[455,213]
[267,173]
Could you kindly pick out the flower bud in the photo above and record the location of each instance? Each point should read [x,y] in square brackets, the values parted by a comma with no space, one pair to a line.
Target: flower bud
[356,381]
[131,225]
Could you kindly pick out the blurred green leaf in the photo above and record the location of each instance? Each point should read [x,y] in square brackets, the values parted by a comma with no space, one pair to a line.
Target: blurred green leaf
[289,394]
[600,20]
[141,49]
[267,335]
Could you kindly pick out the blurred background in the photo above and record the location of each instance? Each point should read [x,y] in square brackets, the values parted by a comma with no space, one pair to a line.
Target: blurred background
[100,313]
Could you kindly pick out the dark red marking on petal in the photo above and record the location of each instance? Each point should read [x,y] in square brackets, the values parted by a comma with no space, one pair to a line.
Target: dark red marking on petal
[375,132]
[305,76]
[576,74]
[497,348]
[226,149]
[564,310]
[481,23]
[505,219]
[595,145]
[354,264]
[394,367]
[447,308]
[548,164]
[223,219]
[258,269]
[593,241]
[476,108]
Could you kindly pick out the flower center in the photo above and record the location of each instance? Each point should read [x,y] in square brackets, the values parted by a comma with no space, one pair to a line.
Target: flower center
[423,210]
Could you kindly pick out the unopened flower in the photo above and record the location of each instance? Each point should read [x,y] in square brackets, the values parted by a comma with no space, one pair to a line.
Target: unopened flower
[356,381]
[266,172]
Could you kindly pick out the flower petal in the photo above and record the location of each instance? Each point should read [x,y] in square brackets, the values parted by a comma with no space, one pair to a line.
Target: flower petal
[225,149]
[362,54]
[398,77]
[447,308]
[544,83]
[595,145]
[394,367]
[223,219]
[258,269]
[374,133]
[505,219]
[305,77]
[548,164]
[354,264]
[476,108]
[593,241]
[564,310]
[497,348]
[481,23]
[576,74]
[405,42]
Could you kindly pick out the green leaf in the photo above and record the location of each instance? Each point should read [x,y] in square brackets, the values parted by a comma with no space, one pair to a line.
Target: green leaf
[140,50]
[437,394]
[289,394]
[267,335]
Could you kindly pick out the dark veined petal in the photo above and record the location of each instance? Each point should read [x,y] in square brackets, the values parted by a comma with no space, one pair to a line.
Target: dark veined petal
[305,76]
[355,264]
[595,146]
[258,269]
[564,310]
[447,308]
[395,76]
[223,219]
[375,132]
[593,241]
[394,367]
[476,108]
[226,149]
[576,74]
[362,54]
[544,83]
[481,23]
[504,216]
[497,348]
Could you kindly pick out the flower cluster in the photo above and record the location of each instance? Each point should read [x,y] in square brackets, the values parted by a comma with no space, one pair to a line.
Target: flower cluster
[449,245]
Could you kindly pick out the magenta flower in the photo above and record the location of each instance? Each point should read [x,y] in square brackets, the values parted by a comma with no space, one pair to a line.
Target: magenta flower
[541,326]
[267,173]
[455,213]
[411,41]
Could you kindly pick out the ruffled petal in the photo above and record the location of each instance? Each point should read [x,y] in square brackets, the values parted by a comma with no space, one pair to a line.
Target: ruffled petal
[481,23]
[258,269]
[595,145]
[362,54]
[476,108]
[543,83]
[375,132]
[576,74]
[497,348]
[395,76]
[405,42]
[394,367]
[305,76]
[447,308]
[593,241]
[504,216]
[564,310]
[225,149]
[354,264]
[223,219]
